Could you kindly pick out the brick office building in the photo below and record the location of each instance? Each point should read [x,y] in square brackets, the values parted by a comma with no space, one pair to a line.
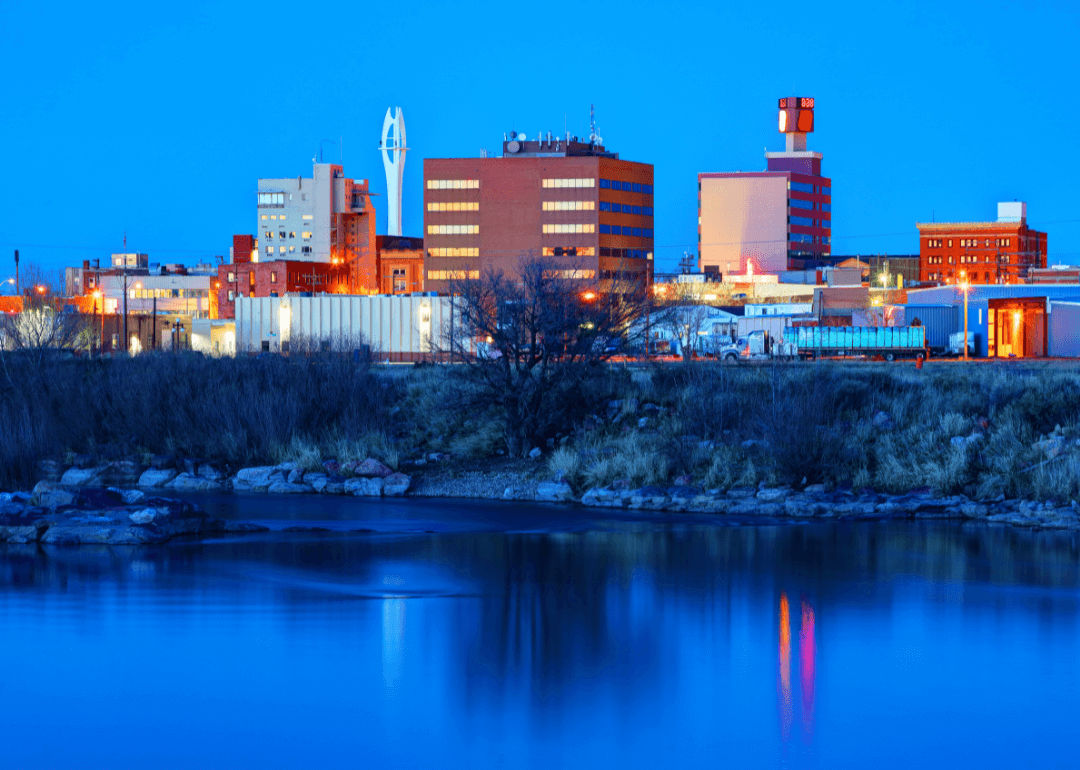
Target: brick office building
[400,264]
[1004,251]
[565,200]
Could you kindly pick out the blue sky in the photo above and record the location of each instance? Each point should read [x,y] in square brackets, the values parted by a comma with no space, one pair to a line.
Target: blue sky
[156,120]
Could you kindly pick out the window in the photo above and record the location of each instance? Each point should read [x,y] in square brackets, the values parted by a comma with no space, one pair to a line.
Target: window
[231,277]
[269,235]
[307,217]
[399,278]
[269,249]
[453,229]
[232,295]
[292,249]
[569,205]
[273,276]
[454,206]
[281,249]
[453,184]
[799,203]
[264,216]
[275,199]
[801,221]
[306,235]
[452,275]
[825,190]
[569,228]
[570,275]
[305,250]
[569,251]
[281,233]
[292,233]
[575,182]
[470,251]
[801,187]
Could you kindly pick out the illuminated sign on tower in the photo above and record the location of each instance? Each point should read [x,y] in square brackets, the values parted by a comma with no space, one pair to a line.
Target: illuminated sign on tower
[796,120]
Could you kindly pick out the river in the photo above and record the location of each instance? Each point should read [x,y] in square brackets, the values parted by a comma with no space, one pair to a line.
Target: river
[464,634]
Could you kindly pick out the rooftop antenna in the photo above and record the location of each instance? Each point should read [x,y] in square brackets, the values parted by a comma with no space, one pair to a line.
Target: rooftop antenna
[593,138]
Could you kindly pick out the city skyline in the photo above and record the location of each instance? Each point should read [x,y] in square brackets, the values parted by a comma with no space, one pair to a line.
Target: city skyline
[164,126]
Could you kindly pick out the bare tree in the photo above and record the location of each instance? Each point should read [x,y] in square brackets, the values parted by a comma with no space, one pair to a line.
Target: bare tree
[532,340]
[680,312]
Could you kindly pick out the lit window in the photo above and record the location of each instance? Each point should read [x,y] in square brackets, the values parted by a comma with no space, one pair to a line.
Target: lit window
[455,251]
[308,217]
[569,228]
[292,249]
[453,184]
[576,182]
[454,206]
[273,276]
[232,295]
[452,275]
[453,229]
[269,249]
[569,205]
[306,234]
[292,233]
[271,199]
[232,277]
[264,216]
[281,249]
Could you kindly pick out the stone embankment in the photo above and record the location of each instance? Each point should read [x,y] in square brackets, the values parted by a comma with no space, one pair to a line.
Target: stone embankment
[371,478]
[54,515]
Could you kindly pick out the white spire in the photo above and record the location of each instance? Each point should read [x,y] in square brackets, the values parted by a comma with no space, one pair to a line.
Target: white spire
[393,156]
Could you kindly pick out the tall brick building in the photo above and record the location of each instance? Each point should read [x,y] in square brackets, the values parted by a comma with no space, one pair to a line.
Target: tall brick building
[1004,251]
[562,199]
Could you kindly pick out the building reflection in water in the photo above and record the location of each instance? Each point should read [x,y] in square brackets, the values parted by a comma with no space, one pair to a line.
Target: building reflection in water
[807,656]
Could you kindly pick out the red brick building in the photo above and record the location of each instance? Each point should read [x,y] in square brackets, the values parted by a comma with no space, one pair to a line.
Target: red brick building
[400,264]
[1005,251]
[565,200]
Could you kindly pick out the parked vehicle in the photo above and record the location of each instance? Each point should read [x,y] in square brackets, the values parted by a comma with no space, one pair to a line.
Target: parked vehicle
[956,344]
[756,345]
[887,341]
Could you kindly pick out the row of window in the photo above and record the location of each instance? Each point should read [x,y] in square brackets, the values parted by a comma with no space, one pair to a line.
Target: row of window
[455,251]
[453,184]
[306,234]
[453,229]
[616,208]
[623,253]
[570,275]
[267,199]
[454,206]
[283,250]
[576,227]
[620,275]
[809,188]
[615,184]
[800,238]
[166,293]
[556,182]
[804,204]
[569,251]
[283,217]
[571,206]
[968,259]
[986,277]
[452,275]
[636,232]
[968,243]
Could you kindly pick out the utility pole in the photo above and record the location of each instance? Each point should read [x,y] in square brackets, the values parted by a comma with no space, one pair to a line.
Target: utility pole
[125,300]
[153,323]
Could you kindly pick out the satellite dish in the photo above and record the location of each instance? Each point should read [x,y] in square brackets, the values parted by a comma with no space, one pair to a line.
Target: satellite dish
[513,146]
[521,137]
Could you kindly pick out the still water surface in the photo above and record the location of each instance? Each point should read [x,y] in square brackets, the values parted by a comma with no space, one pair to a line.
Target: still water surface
[428,634]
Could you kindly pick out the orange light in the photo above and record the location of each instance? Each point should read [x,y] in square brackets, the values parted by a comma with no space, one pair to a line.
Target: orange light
[588,296]
[40,289]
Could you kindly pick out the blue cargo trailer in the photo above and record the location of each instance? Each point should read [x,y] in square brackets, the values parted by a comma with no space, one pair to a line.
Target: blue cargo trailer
[887,341]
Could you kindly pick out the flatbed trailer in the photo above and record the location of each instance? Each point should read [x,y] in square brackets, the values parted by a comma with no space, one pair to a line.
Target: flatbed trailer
[889,342]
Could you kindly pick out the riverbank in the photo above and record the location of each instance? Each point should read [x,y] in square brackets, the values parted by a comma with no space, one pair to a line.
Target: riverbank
[519,480]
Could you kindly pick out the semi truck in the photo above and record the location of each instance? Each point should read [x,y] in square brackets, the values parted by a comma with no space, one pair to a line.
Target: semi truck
[889,342]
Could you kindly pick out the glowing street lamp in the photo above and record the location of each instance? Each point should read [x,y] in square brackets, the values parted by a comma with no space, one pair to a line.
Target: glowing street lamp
[965,287]
[588,295]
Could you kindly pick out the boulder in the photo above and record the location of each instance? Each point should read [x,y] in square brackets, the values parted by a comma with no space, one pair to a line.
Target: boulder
[156,477]
[296,475]
[208,471]
[364,486]
[331,466]
[553,491]
[82,477]
[288,488]
[145,516]
[535,453]
[324,484]
[132,496]
[773,494]
[48,494]
[882,421]
[396,485]
[287,467]
[372,468]
[188,482]
[256,479]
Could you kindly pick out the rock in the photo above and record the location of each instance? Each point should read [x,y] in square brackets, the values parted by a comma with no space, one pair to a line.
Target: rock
[882,421]
[82,477]
[364,486]
[49,470]
[132,496]
[156,477]
[208,471]
[684,492]
[773,494]
[553,491]
[326,485]
[649,497]
[372,468]
[145,516]
[189,482]
[48,494]
[331,466]
[643,422]
[396,485]
[535,453]
[814,489]
[296,475]
[256,479]
[683,481]
[508,493]
[287,467]
[288,488]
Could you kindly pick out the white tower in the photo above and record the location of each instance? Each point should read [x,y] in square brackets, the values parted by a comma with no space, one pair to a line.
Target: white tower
[393,157]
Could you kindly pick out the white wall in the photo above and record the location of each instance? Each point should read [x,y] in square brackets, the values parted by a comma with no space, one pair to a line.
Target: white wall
[742,218]
[390,324]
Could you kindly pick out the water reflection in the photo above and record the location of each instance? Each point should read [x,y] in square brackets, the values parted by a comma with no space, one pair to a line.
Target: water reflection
[568,644]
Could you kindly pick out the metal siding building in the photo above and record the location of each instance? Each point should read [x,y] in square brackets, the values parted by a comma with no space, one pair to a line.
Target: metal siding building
[397,327]
[978,302]
[1064,329]
[939,321]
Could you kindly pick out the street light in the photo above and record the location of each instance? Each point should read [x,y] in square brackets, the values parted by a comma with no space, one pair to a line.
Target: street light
[965,287]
